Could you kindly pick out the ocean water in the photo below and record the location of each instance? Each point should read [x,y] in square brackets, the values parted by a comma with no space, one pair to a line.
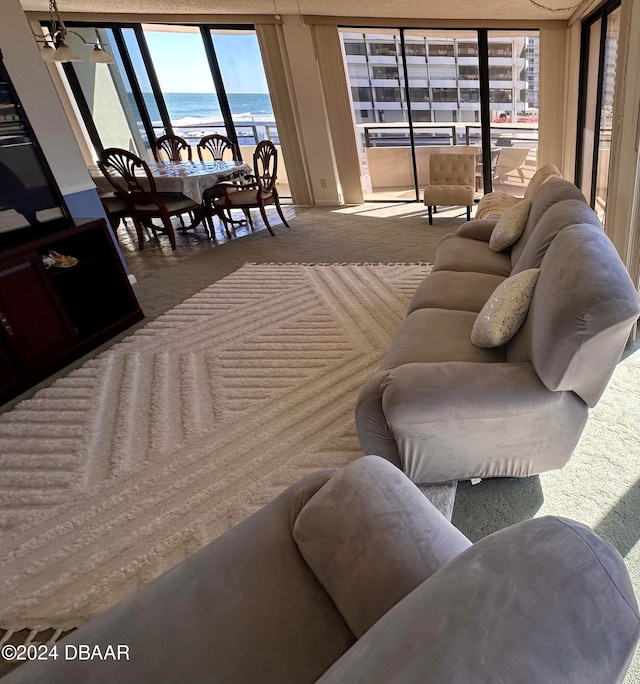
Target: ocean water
[189,109]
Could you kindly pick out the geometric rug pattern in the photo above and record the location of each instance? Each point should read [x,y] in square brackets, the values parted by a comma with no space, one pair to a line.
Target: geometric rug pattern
[132,462]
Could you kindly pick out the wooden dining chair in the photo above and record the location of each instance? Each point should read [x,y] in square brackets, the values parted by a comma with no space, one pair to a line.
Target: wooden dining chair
[125,171]
[257,191]
[216,145]
[172,146]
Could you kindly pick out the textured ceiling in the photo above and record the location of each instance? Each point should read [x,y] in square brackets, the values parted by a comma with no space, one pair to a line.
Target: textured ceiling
[451,9]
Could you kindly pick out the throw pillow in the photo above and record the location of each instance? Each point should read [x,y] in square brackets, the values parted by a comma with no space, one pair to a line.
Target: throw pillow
[505,311]
[510,226]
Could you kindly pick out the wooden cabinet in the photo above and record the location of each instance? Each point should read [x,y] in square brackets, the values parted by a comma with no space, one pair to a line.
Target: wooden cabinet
[34,323]
[50,316]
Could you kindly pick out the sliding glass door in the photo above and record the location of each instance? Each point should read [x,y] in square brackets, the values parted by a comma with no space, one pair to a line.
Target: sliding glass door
[415,92]
[600,34]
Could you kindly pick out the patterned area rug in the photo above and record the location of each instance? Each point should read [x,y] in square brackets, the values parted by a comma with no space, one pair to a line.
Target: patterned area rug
[132,462]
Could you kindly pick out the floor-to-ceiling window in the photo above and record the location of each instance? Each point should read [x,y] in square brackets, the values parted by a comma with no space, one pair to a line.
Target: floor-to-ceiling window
[188,80]
[600,33]
[514,89]
[416,90]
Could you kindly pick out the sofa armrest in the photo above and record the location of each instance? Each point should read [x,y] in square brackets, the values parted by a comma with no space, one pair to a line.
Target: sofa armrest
[495,204]
[461,420]
[478,229]
[371,537]
[542,601]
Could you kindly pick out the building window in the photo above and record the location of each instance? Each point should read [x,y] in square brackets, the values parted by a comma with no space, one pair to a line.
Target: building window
[469,73]
[355,49]
[361,94]
[382,49]
[467,49]
[469,95]
[387,94]
[384,73]
[500,95]
[416,50]
[421,115]
[500,50]
[419,94]
[441,50]
[445,95]
[500,73]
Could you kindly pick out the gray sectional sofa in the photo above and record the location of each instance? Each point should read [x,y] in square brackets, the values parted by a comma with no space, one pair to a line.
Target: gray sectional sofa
[442,409]
[353,576]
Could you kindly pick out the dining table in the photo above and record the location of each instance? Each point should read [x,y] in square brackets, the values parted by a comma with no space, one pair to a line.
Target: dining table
[190,178]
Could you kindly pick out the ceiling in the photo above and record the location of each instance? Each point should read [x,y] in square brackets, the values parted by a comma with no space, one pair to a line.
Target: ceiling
[420,9]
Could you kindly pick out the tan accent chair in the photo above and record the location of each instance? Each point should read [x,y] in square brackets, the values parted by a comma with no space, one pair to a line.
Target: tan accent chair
[496,203]
[451,182]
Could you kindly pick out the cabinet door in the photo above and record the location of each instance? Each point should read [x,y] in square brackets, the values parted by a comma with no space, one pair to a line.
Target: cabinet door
[9,372]
[33,321]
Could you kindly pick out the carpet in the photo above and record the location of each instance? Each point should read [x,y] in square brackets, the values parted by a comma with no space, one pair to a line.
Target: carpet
[138,458]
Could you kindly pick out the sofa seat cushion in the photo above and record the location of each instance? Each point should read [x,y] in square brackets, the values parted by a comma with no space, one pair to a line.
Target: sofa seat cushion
[456,253]
[454,290]
[449,195]
[371,537]
[437,335]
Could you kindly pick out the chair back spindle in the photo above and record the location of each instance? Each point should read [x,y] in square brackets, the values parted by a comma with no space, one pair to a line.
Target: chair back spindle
[216,145]
[171,146]
[265,165]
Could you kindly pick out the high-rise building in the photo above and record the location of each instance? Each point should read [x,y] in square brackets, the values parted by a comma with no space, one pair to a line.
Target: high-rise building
[443,76]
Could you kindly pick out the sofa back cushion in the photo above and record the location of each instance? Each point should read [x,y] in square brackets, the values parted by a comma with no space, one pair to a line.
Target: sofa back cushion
[371,537]
[542,601]
[558,216]
[580,316]
[554,190]
[541,176]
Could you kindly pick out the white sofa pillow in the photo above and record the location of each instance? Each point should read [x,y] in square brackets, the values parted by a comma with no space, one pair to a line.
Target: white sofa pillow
[505,311]
[510,226]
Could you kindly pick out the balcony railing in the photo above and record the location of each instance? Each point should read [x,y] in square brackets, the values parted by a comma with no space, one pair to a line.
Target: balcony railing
[434,133]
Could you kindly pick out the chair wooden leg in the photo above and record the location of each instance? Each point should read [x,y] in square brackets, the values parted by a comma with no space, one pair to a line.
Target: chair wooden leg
[139,233]
[430,215]
[166,222]
[247,215]
[279,209]
[225,223]
[468,213]
[263,212]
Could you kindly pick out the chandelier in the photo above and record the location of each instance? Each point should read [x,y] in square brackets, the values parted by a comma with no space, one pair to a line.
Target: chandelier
[54,44]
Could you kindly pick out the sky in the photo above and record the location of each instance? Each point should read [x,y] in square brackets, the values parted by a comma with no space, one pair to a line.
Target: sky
[181,63]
